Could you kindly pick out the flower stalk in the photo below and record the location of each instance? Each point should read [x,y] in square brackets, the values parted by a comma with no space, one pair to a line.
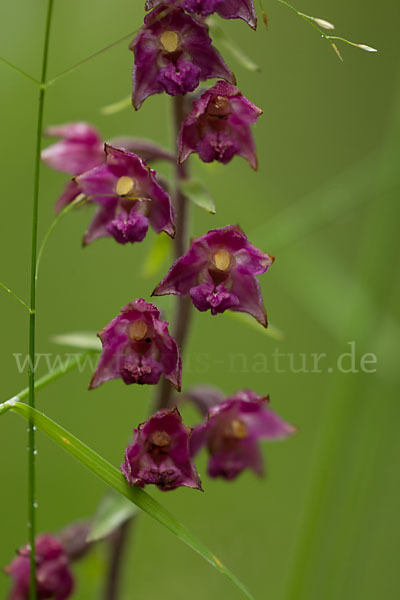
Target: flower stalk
[32,505]
[183,307]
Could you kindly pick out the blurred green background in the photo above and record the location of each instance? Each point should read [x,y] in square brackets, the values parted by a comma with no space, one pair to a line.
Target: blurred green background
[324,523]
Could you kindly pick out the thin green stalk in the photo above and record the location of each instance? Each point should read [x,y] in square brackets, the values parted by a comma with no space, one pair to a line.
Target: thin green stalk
[18,70]
[32,320]
[88,58]
[79,200]
[7,289]
[329,38]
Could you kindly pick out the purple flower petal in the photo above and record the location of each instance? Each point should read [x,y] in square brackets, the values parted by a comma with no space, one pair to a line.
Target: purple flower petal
[227,9]
[173,53]
[80,149]
[160,453]
[219,273]
[204,397]
[231,432]
[71,191]
[103,216]
[218,127]
[129,196]
[54,578]
[137,348]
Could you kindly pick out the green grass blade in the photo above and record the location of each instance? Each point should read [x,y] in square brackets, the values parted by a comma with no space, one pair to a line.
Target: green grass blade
[86,340]
[271,331]
[116,107]
[220,36]
[114,478]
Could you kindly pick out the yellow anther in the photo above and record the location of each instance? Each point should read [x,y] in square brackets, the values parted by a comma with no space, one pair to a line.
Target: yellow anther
[239,429]
[160,439]
[169,40]
[222,259]
[137,331]
[125,185]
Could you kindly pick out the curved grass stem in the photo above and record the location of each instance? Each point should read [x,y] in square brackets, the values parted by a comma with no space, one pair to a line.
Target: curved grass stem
[14,295]
[78,201]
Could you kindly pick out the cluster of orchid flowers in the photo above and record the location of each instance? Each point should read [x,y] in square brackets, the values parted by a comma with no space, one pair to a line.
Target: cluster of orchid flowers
[173,54]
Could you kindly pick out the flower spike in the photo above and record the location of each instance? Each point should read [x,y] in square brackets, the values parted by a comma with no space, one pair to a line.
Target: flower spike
[219,273]
[138,348]
[173,53]
[160,453]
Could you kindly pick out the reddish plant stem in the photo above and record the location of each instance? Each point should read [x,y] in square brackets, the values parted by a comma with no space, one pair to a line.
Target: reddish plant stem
[118,545]
[165,391]
[183,306]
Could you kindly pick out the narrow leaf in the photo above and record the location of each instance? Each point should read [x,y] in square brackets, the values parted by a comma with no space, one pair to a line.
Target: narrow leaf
[337,51]
[113,510]
[78,339]
[114,478]
[231,46]
[157,257]
[195,191]
[116,107]
[271,331]
[264,15]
